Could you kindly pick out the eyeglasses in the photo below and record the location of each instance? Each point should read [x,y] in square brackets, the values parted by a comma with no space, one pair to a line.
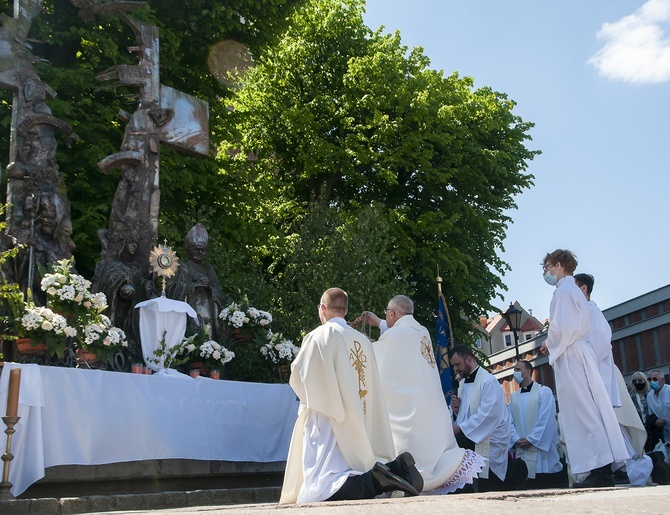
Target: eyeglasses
[547,267]
[388,309]
[654,379]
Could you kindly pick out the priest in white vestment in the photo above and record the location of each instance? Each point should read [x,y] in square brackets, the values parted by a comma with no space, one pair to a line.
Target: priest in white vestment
[590,427]
[534,429]
[419,415]
[342,440]
[482,417]
[658,402]
[600,340]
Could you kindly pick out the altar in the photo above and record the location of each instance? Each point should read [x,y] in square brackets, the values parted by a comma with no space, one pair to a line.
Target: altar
[75,416]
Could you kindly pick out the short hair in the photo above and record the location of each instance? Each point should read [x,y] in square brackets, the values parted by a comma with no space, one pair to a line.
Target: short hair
[463,351]
[336,299]
[585,279]
[564,257]
[402,304]
[527,365]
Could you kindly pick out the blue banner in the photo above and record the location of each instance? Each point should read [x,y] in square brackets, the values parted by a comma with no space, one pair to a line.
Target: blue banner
[444,342]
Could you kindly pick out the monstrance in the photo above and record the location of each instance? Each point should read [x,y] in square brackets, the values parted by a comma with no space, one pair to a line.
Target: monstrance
[164,262]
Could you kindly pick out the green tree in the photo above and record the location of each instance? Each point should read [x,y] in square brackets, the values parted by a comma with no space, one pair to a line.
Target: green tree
[74,50]
[335,119]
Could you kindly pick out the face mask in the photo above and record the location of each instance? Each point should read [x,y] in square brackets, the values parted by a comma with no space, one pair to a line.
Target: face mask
[639,386]
[654,385]
[518,377]
[551,279]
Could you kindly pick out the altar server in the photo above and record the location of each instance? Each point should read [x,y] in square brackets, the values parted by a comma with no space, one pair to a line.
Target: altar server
[534,429]
[600,339]
[342,440]
[591,430]
[482,418]
[420,418]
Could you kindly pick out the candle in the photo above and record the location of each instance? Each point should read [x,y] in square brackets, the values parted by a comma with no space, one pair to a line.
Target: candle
[13,395]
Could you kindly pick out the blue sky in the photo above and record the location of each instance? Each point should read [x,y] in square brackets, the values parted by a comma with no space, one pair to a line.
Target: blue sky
[594,78]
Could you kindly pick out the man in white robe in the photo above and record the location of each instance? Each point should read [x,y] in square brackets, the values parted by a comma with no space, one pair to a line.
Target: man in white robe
[600,339]
[419,415]
[342,436]
[658,402]
[482,420]
[590,427]
[534,429]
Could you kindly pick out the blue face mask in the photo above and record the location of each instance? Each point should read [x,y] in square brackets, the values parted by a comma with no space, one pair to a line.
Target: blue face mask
[654,385]
[551,279]
[518,377]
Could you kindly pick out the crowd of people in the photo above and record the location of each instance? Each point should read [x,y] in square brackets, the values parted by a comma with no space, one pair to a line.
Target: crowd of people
[373,420]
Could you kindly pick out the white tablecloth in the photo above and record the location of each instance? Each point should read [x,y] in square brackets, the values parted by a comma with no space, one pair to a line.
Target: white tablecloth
[91,417]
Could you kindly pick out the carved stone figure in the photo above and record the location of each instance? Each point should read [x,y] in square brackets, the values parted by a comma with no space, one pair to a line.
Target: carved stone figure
[120,278]
[39,216]
[197,284]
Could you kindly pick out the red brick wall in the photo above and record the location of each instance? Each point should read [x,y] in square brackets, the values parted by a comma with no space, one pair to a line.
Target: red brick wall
[630,351]
[648,350]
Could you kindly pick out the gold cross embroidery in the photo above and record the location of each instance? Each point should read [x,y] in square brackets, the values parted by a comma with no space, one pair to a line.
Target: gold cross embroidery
[427,351]
[358,361]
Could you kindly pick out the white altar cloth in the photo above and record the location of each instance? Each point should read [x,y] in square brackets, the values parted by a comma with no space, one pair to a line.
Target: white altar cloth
[91,417]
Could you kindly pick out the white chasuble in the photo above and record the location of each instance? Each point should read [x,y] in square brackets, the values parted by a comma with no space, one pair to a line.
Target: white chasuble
[419,415]
[534,418]
[590,427]
[484,418]
[343,418]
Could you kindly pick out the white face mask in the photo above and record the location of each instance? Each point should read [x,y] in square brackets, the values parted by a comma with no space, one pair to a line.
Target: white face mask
[551,279]
[518,377]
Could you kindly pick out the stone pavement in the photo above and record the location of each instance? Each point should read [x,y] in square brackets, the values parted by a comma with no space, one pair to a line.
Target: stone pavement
[653,500]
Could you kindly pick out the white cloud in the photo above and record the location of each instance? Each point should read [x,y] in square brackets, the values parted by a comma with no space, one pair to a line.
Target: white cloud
[637,47]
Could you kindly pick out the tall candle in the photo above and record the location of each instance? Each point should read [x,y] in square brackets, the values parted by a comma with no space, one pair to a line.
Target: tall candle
[13,395]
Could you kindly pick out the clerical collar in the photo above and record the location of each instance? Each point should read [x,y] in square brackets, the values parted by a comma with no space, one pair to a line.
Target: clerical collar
[526,389]
[471,377]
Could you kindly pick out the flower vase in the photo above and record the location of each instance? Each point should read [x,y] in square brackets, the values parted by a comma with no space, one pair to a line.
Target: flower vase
[284,372]
[25,346]
[215,374]
[239,336]
[87,356]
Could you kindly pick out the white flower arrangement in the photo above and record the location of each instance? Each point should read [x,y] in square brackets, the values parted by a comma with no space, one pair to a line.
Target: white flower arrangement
[73,314]
[215,354]
[252,322]
[278,350]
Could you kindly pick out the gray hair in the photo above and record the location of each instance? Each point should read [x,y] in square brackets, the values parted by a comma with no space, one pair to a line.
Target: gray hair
[402,304]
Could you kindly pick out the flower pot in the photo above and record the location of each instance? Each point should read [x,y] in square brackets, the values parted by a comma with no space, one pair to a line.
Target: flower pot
[87,356]
[215,374]
[24,346]
[284,372]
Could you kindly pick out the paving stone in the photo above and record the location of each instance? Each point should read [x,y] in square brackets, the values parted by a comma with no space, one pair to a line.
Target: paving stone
[45,506]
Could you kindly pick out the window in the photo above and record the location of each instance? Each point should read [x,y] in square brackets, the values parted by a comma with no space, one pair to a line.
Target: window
[479,342]
[528,337]
[508,340]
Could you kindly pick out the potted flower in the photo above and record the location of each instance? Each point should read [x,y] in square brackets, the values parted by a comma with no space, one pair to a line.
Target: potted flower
[246,322]
[214,355]
[279,353]
[73,316]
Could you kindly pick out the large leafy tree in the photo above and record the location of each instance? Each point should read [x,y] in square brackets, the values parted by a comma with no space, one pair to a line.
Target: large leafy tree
[73,50]
[374,170]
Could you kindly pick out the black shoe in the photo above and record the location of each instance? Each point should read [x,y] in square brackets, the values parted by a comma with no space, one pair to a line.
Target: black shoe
[387,481]
[595,480]
[621,477]
[404,466]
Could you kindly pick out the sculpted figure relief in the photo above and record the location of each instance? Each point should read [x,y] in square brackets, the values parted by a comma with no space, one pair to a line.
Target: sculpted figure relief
[197,284]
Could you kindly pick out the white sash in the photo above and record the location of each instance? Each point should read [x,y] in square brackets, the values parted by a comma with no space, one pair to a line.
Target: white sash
[525,425]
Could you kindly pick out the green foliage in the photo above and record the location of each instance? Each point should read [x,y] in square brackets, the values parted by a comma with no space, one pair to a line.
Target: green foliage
[343,159]
[376,170]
